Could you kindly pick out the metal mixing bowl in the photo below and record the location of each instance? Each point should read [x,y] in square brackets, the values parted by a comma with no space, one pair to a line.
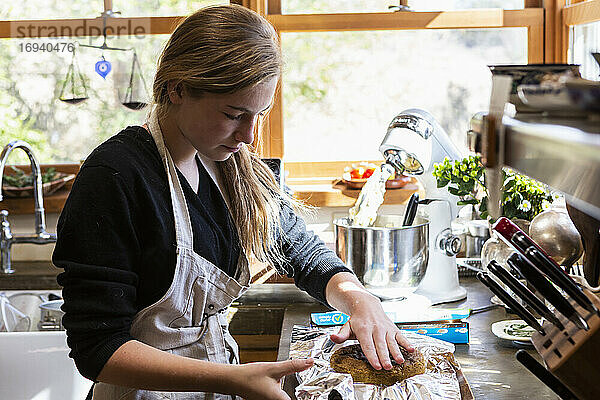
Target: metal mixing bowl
[385,255]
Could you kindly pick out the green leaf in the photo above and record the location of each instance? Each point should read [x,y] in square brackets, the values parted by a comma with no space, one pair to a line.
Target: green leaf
[465,202]
[483,205]
[519,196]
[442,182]
[509,185]
[466,186]
[453,190]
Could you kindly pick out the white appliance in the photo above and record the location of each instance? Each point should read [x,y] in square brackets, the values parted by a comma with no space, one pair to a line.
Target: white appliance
[414,142]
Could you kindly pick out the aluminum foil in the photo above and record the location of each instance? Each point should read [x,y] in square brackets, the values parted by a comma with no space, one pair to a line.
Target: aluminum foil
[321,382]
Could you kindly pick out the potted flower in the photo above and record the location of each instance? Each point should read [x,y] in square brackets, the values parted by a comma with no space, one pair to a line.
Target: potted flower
[522,197]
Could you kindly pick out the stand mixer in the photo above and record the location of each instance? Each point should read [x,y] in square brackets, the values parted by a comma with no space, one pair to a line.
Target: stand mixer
[414,142]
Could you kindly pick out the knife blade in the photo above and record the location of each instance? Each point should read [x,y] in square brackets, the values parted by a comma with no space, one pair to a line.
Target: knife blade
[521,290]
[542,261]
[509,301]
[549,292]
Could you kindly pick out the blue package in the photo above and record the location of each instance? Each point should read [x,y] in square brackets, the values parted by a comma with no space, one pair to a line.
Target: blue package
[331,318]
[456,332]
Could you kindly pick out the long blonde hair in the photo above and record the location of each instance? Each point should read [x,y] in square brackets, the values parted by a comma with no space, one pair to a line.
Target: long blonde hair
[224,49]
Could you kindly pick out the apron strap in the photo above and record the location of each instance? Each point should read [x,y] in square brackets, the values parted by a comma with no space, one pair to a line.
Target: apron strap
[90,394]
[183,225]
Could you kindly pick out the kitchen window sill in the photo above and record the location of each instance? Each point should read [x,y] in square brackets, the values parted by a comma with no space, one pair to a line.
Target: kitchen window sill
[53,203]
[315,194]
[318,192]
[323,194]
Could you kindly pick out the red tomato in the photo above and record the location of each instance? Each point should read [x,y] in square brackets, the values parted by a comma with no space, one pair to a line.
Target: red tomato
[357,173]
[368,173]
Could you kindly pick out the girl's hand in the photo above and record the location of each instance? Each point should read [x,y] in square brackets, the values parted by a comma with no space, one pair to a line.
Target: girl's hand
[262,380]
[377,334]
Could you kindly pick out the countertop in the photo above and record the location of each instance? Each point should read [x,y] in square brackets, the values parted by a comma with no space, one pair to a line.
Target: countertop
[32,275]
[488,362]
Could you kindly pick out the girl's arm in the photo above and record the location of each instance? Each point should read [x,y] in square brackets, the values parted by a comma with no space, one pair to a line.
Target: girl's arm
[317,270]
[139,365]
[378,335]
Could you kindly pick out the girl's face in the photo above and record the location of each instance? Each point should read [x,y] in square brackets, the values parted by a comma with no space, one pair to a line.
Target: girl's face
[218,124]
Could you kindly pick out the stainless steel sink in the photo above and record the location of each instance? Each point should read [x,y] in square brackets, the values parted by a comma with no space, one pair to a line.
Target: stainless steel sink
[35,365]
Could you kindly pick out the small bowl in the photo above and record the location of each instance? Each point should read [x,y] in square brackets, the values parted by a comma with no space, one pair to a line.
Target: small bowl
[390,184]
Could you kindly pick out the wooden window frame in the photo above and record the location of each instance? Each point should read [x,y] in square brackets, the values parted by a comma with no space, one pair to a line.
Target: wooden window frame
[547,24]
[578,12]
[531,17]
[581,12]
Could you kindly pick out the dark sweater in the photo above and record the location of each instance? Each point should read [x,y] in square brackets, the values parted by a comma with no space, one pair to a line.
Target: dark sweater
[116,244]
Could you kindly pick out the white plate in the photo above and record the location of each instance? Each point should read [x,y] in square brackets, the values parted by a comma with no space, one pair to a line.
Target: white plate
[496,300]
[509,330]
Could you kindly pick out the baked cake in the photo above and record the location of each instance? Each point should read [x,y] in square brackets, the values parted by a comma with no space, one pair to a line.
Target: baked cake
[351,360]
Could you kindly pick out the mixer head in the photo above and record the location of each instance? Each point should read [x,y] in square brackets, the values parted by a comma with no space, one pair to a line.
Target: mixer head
[414,141]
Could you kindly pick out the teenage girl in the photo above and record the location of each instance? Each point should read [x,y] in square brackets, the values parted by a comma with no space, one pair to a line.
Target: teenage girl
[156,231]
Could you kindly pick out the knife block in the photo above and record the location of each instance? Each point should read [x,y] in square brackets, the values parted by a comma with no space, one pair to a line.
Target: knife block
[573,355]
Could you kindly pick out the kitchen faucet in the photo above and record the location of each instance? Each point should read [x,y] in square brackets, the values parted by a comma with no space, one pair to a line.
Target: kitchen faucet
[7,239]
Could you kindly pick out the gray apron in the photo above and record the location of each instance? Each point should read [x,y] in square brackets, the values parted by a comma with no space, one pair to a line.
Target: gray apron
[190,319]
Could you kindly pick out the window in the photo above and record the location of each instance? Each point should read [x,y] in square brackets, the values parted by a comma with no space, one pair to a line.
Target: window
[438,5]
[346,99]
[156,8]
[31,82]
[342,89]
[364,6]
[37,9]
[59,9]
[585,40]
[317,91]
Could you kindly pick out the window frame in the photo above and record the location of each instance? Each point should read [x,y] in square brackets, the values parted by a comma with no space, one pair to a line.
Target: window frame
[547,22]
[578,12]
[530,17]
